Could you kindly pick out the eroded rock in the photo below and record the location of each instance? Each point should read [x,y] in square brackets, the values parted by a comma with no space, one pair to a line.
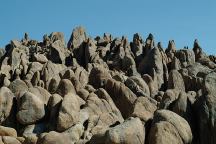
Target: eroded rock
[105,90]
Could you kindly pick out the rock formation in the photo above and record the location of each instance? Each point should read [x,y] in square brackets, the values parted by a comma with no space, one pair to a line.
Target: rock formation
[106,90]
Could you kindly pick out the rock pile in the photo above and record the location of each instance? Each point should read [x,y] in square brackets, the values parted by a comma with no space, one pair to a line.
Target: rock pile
[106,90]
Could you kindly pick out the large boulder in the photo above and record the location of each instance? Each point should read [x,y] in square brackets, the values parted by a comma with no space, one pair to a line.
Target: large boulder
[41,93]
[100,102]
[32,69]
[6,103]
[77,37]
[10,140]
[30,109]
[176,81]
[40,58]
[144,108]
[98,76]
[206,109]
[182,105]
[164,133]
[7,131]
[180,127]
[65,87]
[57,52]
[131,131]
[153,61]
[138,86]
[51,70]
[55,36]
[53,107]
[90,52]
[54,138]
[68,112]
[18,54]
[121,95]
[81,75]
[76,44]
[102,112]
[197,68]
[75,132]
[152,84]
[103,95]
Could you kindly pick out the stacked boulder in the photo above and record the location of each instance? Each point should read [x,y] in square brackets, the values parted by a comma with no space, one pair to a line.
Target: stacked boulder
[106,90]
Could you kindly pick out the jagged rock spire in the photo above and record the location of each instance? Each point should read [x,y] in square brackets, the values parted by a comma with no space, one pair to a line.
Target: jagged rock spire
[171,46]
[198,50]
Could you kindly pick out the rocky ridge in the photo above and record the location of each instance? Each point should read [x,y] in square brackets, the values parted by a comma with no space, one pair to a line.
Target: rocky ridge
[106,90]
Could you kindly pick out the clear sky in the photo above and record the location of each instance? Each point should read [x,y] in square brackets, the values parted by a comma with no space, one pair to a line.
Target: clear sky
[181,20]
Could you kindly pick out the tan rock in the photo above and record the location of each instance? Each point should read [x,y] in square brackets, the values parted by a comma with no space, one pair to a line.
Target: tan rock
[144,109]
[164,133]
[98,76]
[176,81]
[65,87]
[122,96]
[6,102]
[30,109]
[18,86]
[53,106]
[10,140]
[68,112]
[54,138]
[21,139]
[7,131]
[177,121]
[41,93]
[131,131]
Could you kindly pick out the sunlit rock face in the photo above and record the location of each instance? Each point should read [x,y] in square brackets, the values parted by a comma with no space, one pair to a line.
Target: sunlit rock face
[106,90]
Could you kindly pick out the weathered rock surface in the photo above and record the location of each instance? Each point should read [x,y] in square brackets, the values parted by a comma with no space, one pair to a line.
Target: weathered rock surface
[68,112]
[206,108]
[164,133]
[144,108]
[130,131]
[30,108]
[106,90]
[54,138]
[6,103]
[121,95]
[169,127]
[6,131]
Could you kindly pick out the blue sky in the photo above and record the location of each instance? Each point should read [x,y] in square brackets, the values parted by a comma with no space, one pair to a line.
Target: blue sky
[181,20]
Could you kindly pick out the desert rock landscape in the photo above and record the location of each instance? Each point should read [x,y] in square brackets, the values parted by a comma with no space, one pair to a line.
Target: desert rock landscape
[106,90]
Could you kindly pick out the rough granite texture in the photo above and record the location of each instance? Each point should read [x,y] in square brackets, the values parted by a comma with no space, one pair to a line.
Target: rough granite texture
[106,90]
